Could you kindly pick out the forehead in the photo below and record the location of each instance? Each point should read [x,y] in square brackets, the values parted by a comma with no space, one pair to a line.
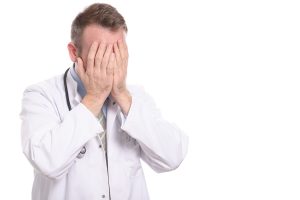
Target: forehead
[100,34]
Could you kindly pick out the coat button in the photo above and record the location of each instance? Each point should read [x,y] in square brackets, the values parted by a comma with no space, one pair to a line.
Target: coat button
[103,196]
[81,153]
[83,150]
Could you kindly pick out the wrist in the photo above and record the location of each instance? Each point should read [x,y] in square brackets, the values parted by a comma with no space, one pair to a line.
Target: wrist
[124,100]
[93,103]
[121,96]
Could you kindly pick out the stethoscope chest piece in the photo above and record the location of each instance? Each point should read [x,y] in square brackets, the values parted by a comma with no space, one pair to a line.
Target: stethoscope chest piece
[81,153]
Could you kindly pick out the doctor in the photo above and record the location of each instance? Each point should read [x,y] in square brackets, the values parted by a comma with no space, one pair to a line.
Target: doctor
[84,132]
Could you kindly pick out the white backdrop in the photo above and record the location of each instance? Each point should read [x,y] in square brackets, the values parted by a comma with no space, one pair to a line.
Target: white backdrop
[226,72]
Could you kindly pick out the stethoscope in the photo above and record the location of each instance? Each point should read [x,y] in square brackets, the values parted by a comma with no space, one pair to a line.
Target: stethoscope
[83,150]
[66,88]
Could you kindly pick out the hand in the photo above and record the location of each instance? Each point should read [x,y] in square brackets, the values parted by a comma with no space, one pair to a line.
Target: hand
[119,90]
[97,78]
[120,69]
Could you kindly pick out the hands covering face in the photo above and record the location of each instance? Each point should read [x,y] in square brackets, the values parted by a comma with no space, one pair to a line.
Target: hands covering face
[106,70]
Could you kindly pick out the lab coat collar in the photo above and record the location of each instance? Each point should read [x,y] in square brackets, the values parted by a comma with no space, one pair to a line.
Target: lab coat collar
[74,96]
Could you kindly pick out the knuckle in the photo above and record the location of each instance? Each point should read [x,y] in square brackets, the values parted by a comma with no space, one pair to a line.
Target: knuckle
[97,61]
[90,58]
[104,64]
[98,58]
[89,73]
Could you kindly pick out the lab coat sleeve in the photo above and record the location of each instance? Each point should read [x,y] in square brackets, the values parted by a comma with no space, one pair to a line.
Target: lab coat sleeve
[51,144]
[163,145]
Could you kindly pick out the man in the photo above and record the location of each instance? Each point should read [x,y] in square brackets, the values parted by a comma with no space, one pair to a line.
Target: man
[84,132]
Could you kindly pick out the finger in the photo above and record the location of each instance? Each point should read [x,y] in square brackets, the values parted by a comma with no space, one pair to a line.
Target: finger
[124,54]
[117,54]
[91,58]
[106,58]
[117,71]
[111,65]
[80,68]
[123,49]
[99,55]
[110,69]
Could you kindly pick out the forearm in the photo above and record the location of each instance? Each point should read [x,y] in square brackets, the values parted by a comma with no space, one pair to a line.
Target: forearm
[51,145]
[163,145]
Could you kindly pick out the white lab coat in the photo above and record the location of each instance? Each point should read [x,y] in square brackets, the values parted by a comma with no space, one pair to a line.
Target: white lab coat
[53,136]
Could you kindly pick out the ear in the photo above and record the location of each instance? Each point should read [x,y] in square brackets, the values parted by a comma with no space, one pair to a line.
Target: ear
[72,51]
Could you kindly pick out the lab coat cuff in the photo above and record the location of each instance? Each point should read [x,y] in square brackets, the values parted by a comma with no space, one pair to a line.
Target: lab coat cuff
[88,118]
[130,119]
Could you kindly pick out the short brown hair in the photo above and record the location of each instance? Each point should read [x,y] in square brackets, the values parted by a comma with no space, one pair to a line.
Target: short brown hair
[99,13]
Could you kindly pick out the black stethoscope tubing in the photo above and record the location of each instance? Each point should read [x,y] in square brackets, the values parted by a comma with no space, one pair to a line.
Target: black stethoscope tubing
[83,150]
[66,89]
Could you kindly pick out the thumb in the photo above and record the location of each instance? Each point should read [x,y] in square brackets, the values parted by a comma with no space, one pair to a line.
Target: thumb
[80,68]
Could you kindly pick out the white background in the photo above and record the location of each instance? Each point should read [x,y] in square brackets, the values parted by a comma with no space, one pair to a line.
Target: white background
[226,72]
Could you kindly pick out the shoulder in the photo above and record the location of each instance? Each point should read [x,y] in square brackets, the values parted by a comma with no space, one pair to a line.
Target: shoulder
[44,87]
